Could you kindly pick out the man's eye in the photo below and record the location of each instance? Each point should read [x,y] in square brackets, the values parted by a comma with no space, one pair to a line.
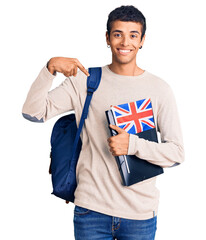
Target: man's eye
[134,36]
[117,35]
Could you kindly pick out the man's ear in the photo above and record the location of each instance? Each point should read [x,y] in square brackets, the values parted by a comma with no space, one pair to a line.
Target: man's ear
[142,42]
[107,38]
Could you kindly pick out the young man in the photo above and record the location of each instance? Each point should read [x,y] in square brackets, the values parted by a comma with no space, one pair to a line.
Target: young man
[104,208]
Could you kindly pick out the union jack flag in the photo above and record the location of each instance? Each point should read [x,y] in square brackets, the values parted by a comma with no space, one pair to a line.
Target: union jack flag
[134,117]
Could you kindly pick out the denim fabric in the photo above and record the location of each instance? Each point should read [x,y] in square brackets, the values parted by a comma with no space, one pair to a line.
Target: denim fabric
[91,225]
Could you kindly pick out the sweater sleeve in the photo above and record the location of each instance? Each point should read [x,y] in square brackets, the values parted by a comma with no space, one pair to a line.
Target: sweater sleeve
[170,152]
[42,104]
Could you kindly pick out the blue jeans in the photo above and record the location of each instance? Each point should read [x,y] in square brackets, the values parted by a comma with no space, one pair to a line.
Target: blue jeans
[92,225]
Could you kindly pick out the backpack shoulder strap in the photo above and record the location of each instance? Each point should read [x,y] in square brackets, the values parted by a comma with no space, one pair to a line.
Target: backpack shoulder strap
[92,84]
[94,79]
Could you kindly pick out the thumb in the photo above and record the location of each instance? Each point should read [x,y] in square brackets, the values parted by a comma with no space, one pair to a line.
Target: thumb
[118,129]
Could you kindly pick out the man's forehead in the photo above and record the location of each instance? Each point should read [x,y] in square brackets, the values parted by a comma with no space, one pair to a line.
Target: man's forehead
[122,26]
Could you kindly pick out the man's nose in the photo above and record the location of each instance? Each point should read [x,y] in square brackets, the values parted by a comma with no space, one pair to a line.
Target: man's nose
[125,41]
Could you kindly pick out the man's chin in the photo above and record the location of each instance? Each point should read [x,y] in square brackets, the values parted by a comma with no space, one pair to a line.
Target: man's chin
[123,61]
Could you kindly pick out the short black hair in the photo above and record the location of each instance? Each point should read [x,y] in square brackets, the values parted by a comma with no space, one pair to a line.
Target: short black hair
[127,13]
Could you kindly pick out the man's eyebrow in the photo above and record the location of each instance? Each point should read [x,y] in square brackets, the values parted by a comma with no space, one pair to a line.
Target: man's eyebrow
[130,31]
[135,32]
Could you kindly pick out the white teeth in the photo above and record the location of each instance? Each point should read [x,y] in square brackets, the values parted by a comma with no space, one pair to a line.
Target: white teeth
[124,51]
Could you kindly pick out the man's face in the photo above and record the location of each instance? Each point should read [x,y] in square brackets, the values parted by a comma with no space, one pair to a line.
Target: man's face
[125,41]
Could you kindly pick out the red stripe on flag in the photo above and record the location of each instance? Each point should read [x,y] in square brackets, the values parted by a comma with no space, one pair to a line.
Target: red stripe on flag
[121,109]
[147,123]
[146,103]
[126,126]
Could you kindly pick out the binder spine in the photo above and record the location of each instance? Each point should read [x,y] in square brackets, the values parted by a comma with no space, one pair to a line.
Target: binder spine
[120,160]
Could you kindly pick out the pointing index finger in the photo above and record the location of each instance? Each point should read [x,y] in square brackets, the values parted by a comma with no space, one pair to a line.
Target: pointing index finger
[82,68]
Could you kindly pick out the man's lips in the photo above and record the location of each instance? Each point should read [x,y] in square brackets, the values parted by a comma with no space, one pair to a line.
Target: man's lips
[124,51]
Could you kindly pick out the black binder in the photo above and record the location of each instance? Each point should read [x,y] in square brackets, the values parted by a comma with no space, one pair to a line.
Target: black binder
[133,169]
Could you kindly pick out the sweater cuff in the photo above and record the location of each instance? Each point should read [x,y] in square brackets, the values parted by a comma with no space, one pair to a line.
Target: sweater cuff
[46,66]
[132,144]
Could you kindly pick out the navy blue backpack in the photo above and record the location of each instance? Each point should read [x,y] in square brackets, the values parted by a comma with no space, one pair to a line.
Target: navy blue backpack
[66,144]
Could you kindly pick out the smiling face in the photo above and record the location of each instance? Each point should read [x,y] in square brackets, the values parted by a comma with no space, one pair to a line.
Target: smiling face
[125,41]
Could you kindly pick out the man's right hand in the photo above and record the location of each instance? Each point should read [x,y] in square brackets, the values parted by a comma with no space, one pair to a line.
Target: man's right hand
[67,66]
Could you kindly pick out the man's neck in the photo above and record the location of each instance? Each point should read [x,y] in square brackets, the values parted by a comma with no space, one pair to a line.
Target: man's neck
[126,69]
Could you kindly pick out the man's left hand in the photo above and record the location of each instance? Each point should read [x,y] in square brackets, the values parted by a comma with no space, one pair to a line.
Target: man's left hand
[118,144]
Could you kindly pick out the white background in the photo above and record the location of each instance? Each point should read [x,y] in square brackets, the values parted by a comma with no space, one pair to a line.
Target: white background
[34,31]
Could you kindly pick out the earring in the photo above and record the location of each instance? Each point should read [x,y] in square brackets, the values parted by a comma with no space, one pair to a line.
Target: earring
[140,47]
[108,46]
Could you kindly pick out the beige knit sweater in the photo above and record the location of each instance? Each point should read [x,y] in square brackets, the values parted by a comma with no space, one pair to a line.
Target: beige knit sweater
[99,182]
